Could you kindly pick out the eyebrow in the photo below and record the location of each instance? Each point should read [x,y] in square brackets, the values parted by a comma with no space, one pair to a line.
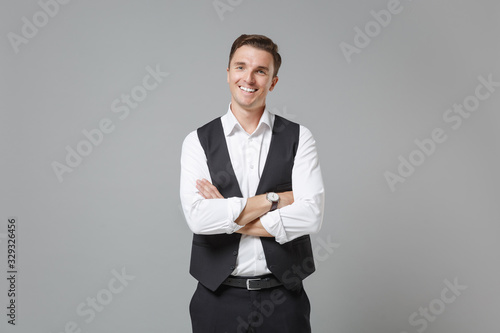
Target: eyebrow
[244,63]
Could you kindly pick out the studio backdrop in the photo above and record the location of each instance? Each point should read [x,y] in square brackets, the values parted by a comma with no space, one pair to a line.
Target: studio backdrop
[402,98]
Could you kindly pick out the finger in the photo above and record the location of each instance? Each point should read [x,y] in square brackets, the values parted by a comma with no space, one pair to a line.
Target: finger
[209,191]
[214,192]
[213,189]
[204,191]
[200,191]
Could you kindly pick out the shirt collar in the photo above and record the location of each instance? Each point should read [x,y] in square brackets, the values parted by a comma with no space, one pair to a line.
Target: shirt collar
[230,122]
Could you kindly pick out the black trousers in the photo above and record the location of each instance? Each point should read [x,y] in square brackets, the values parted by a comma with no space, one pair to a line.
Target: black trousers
[238,310]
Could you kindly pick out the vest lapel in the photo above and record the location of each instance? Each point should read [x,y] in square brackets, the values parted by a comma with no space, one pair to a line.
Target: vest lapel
[219,162]
[221,167]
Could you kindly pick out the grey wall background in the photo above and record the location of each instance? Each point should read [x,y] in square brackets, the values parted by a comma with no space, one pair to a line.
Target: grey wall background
[389,252]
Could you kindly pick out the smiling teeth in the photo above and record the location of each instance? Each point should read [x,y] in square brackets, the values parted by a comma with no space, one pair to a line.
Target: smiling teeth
[248,89]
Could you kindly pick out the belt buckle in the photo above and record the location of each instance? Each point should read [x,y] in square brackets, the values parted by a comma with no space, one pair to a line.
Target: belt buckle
[248,284]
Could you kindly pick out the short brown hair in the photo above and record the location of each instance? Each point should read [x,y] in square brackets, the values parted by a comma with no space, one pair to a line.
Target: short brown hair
[260,42]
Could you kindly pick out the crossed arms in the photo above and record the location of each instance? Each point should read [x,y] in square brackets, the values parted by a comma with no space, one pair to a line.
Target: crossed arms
[255,207]
[299,212]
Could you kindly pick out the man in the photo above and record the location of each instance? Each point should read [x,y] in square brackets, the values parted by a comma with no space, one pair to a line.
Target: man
[252,192]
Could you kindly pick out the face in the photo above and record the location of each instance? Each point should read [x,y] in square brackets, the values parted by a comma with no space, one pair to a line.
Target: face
[250,78]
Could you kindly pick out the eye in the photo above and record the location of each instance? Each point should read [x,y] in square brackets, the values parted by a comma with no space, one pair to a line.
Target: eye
[261,72]
[239,67]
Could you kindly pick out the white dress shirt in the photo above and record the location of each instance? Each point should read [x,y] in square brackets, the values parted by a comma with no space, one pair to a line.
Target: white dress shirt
[248,153]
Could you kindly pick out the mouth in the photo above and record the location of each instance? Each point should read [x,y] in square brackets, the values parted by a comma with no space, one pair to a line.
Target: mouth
[248,90]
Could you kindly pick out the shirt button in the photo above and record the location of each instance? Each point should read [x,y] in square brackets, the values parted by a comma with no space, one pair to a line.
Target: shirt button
[235,253]
[251,166]
[232,267]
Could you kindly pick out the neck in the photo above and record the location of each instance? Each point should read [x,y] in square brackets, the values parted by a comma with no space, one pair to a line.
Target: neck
[248,119]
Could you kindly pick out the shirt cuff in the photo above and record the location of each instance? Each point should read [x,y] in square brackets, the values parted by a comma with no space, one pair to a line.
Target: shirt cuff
[273,225]
[235,207]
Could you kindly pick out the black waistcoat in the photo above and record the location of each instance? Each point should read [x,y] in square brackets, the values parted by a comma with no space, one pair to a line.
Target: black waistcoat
[213,257]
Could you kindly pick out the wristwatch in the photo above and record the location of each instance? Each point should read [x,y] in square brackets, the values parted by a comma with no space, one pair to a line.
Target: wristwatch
[273,198]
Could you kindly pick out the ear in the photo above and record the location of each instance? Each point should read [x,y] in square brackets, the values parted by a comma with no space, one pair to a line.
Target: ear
[273,84]
[227,69]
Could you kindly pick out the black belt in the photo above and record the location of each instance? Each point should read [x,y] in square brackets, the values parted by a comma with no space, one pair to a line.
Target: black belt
[252,283]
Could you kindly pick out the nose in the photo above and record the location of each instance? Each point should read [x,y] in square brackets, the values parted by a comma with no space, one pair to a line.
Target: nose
[250,78]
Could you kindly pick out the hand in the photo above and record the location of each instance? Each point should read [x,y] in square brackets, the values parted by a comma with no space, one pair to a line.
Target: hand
[207,190]
[254,228]
[286,198]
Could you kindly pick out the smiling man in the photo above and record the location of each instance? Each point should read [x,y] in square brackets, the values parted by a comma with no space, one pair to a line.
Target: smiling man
[252,193]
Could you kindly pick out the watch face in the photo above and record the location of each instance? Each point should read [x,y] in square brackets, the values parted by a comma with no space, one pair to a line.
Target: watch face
[273,196]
